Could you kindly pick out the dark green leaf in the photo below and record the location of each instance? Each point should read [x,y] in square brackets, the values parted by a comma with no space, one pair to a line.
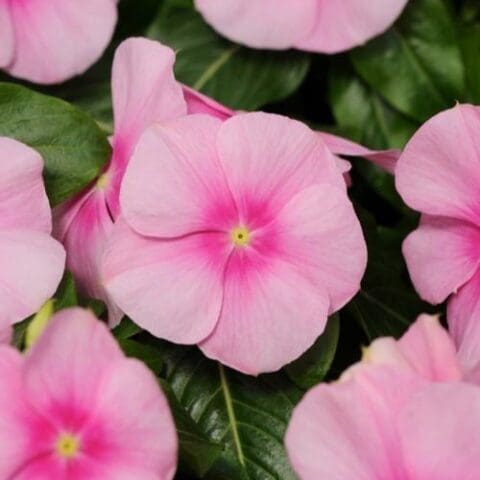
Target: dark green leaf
[239,77]
[247,416]
[312,367]
[126,329]
[470,36]
[71,143]
[66,295]
[417,65]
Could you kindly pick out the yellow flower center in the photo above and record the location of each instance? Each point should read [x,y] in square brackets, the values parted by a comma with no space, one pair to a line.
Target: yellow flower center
[102,181]
[67,446]
[240,236]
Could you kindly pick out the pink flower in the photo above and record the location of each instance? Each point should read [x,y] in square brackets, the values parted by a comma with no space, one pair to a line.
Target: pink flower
[51,41]
[327,26]
[32,261]
[237,236]
[75,408]
[438,174]
[407,412]
[144,91]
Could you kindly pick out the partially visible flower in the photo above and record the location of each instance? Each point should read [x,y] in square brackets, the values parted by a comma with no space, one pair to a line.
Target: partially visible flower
[408,411]
[144,91]
[439,175]
[74,408]
[52,41]
[237,235]
[6,334]
[32,262]
[327,26]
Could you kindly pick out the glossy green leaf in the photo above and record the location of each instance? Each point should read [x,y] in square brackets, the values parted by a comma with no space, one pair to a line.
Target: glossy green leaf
[237,76]
[247,416]
[72,145]
[417,65]
[312,367]
[470,37]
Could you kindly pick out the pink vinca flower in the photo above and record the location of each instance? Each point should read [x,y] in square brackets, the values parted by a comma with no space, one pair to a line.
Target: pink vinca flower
[237,236]
[74,408]
[49,42]
[438,175]
[409,411]
[32,261]
[144,91]
[327,26]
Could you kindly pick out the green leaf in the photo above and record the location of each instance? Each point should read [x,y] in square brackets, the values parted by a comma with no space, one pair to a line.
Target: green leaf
[72,145]
[417,65]
[126,329]
[470,38]
[312,367]
[387,303]
[66,295]
[237,76]
[247,416]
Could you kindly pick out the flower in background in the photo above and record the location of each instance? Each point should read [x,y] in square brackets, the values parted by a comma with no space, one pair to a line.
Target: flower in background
[75,408]
[237,236]
[325,26]
[144,91]
[49,42]
[32,261]
[439,175]
[409,411]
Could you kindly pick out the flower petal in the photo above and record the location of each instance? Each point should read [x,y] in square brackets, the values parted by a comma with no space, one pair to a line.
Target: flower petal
[319,233]
[271,314]
[342,25]
[174,184]
[32,267]
[439,170]
[259,24]
[144,91]
[440,432]
[83,226]
[7,45]
[346,430]
[441,255]
[65,367]
[23,200]
[172,288]
[58,39]
[268,159]
[385,159]
[199,103]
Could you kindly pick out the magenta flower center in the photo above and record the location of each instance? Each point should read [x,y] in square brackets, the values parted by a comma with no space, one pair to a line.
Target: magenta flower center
[240,236]
[67,446]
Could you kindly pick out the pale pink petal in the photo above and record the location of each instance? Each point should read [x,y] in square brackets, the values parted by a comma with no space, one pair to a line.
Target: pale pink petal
[260,23]
[174,183]
[463,314]
[65,367]
[199,103]
[268,159]
[346,430]
[342,25]
[319,233]
[32,267]
[141,441]
[172,288]
[7,43]
[144,91]
[271,314]
[385,159]
[439,170]
[440,433]
[441,255]
[6,334]
[23,200]
[58,39]
[83,226]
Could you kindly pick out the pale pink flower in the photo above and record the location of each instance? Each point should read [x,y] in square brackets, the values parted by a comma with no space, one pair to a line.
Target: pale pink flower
[237,236]
[439,174]
[32,261]
[74,408]
[6,334]
[144,91]
[327,26]
[51,41]
[408,411]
